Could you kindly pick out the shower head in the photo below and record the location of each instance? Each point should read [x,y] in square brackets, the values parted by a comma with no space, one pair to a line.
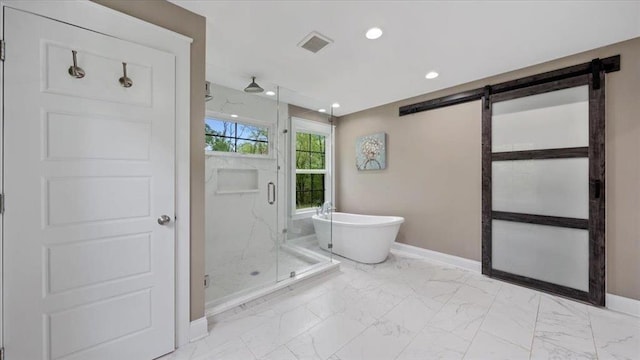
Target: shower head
[253,87]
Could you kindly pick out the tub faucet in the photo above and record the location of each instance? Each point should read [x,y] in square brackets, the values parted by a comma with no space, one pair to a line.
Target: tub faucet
[326,208]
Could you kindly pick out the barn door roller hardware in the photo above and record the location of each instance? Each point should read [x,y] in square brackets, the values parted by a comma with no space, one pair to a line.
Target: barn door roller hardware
[594,67]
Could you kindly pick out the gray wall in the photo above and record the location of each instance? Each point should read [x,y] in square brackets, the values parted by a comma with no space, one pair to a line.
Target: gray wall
[433,174]
[432,177]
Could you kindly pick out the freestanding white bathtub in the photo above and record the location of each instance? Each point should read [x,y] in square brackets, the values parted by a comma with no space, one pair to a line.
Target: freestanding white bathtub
[363,238]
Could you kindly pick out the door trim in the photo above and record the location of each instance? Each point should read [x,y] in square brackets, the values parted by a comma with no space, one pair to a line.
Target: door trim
[596,154]
[95,17]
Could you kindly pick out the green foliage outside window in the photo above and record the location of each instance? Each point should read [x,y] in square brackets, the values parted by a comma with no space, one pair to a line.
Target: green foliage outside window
[310,150]
[309,190]
[228,136]
[310,155]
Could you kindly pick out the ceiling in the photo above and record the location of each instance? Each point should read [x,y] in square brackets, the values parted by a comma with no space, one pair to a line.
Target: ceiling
[462,40]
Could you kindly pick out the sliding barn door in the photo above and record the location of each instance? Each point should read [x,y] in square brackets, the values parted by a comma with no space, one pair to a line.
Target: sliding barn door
[543,187]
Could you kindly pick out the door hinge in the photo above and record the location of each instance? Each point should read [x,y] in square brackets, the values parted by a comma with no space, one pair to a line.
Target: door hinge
[2,51]
[1,353]
[330,246]
[1,212]
[207,282]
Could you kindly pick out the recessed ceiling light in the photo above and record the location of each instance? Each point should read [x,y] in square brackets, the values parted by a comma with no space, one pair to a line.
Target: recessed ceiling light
[322,110]
[373,33]
[432,75]
[234,115]
[335,105]
[270,93]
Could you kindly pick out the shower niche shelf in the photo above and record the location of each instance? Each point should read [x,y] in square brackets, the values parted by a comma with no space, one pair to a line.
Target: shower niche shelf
[237,181]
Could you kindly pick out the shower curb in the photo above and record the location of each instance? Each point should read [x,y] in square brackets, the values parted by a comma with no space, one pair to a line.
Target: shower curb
[265,294]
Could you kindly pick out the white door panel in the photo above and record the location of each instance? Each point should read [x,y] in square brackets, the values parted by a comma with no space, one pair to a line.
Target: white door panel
[88,169]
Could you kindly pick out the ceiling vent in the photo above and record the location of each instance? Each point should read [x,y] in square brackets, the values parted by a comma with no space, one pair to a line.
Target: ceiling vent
[314,42]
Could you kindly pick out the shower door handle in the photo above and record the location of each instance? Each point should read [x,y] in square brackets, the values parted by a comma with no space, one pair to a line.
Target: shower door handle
[271,193]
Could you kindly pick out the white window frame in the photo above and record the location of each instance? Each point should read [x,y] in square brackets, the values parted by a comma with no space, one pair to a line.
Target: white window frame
[245,121]
[317,128]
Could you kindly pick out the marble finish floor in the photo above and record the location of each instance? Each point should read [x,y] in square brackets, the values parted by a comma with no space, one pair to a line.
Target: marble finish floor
[409,308]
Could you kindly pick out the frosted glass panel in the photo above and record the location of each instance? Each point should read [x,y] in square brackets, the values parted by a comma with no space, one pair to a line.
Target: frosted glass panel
[554,187]
[552,254]
[559,119]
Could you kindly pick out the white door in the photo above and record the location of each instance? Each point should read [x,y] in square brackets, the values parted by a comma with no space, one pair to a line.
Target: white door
[88,170]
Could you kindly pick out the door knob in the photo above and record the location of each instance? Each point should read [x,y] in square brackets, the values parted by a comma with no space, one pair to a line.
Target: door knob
[164,219]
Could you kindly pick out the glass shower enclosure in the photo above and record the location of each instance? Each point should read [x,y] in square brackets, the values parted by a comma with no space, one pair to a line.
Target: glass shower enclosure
[248,219]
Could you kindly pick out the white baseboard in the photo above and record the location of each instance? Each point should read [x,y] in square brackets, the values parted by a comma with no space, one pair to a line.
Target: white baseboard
[198,329]
[623,304]
[460,262]
[613,302]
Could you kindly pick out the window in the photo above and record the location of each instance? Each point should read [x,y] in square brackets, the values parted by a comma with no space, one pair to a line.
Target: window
[312,165]
[236,137]
[310,155]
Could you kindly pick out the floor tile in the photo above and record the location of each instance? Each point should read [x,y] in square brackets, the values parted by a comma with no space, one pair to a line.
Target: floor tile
[281,353]
[231,350]
[437,293]
[451,274]
[512,316]
[233,327]
[616,336]
[412,313]
[183,353]
[432,343]
[562,331]
[278,330]
[464,313]
[324,339]
[343,302]
[484,283]
[377,302]
[383,340]
[559,348]
[291,299]
[487,346]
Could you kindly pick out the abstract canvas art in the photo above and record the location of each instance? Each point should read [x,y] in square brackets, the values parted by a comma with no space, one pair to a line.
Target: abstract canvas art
[371,152]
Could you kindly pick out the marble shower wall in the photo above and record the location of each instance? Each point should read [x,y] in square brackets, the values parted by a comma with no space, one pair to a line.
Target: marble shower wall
[300,228]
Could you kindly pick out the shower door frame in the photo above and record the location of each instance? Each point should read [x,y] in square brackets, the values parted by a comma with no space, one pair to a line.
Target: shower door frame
[596,155]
